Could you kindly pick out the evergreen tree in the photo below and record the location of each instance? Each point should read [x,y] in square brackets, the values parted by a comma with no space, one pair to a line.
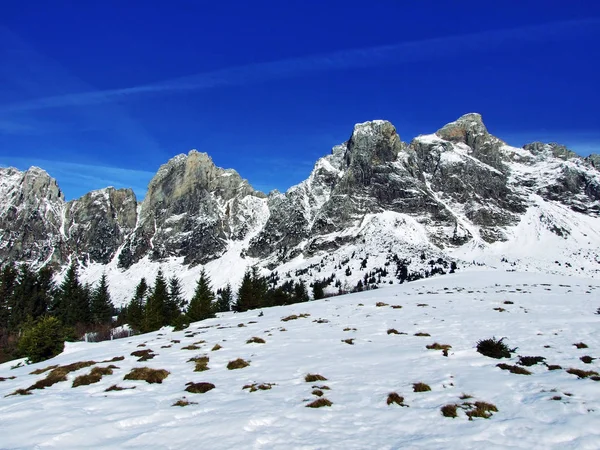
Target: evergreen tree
[154,314]
[300,293]
[318,291]
[101,307]
[19,303]
[8,283]
[45,292]
[200,306]
[224,299]
[71,303]
[252,292]
[175,301]
[134,312]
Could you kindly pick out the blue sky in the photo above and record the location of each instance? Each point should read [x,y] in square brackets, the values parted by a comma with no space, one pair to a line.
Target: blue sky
[103,93]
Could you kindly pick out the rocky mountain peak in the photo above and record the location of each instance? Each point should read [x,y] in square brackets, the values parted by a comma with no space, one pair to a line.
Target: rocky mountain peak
[467,129]
[38,184]
[373,142]
[551,149]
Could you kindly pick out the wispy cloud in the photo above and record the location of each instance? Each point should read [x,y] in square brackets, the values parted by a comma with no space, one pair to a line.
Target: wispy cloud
[82,178]
[439,48]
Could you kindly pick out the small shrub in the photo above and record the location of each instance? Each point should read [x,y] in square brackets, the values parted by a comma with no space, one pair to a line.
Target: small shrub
[199,388]
[348,341]
[481,409]
[587,359]
[319,403]
[494,348]
[147,374]
[553,367]
[317,392]
[530,360]
[581,373]
[449,411]
[436,346]
[380,304]
[514,369]
[421,334]
[255,340]
[216,347]
[580,345]
[312,377]
[241,325]
[237,364]
[421,387]
[43,340]
[183,402]
[392,331]
[201,363]
[114,387]
[393,397]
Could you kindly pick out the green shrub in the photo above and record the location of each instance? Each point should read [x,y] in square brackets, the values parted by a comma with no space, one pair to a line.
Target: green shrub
[44,340]
[494,348]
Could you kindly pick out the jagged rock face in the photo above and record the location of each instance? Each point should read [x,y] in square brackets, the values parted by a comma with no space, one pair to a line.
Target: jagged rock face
[594,160]
[97,223]
[191,209]
[30,215]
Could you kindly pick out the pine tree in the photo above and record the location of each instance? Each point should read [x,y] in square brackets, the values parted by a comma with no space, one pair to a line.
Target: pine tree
[101,307]
[224,299]
[318,291]
[300,293]
[71,303]
[252,293]
[175,301]
[200,306]
[8,283]
[154,316]
[134,313]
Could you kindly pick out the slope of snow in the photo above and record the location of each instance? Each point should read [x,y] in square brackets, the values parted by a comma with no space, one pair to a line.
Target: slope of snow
[548,315]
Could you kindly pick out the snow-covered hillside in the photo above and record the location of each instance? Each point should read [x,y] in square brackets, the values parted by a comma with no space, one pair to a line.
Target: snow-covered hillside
[366,346]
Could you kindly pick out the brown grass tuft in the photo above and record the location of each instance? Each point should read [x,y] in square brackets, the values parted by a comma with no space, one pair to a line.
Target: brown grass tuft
[19,392]
[183,402]
[143,355]
[317,392]
[553,367]
[465,396]
[199,388]
[436,346]
[201,363]
[380,304]
[580,345]
[114,387]
[323,388]
[449,411]
[348,341]
[421,387]
[190,347]
[481,409]
[7,378]
[421,334]
[258,387]
[321,321]
[587,359]
[215,348]
[396,306]
[115,359]
[513,369]
[59,374]
[255,340]
[581,373]
[392,331]
[294,317]
[319,403]
[45,369]
[349,329]
[94,376]
[147,374]
[393,397]
[312,377]
[237,364]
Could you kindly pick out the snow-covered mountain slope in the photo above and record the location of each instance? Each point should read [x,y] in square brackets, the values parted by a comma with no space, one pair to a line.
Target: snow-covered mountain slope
[366,346]
[459,193]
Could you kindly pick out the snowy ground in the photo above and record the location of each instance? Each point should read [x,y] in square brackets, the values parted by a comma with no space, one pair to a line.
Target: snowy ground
[548,315]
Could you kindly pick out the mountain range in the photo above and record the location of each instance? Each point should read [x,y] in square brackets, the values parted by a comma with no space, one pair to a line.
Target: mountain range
[459,194]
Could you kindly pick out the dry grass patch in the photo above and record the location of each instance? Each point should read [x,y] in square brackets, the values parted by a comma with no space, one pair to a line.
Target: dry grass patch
[348,341]
[94,376]
[422,305]
[465,396]
[258,387]
[201,363]
[190,347]
[396,306]
[514,369]
[59,374]
[449,411]
[256,340]
[421,387]
[294,317]
[317,392]
[499,309]
[580,345]
[215,348]
[45,369]
[199,388]
[183,402]
[147,374]
[114,387]
[395,398]
[480,409]
[7,378]
[553,367]
[380,304]
[530,360]
[421,334]
[349,329]
[436,346]
[143,355]
[581,373]
[237,364]
[19,392]
[587,359]
[312,377]
[115,359]
[319,403]
[323,388]
[175,341]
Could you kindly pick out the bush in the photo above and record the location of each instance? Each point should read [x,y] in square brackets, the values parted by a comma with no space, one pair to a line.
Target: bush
[147,374]
[530,360]
[393,397]
[319,403]
[494,348]
[237,364]
[199,388]
[449,411]
[421,387]
[44,340]
[312,377]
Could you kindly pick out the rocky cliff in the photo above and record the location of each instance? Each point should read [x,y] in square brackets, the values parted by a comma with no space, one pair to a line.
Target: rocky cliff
[458,189]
